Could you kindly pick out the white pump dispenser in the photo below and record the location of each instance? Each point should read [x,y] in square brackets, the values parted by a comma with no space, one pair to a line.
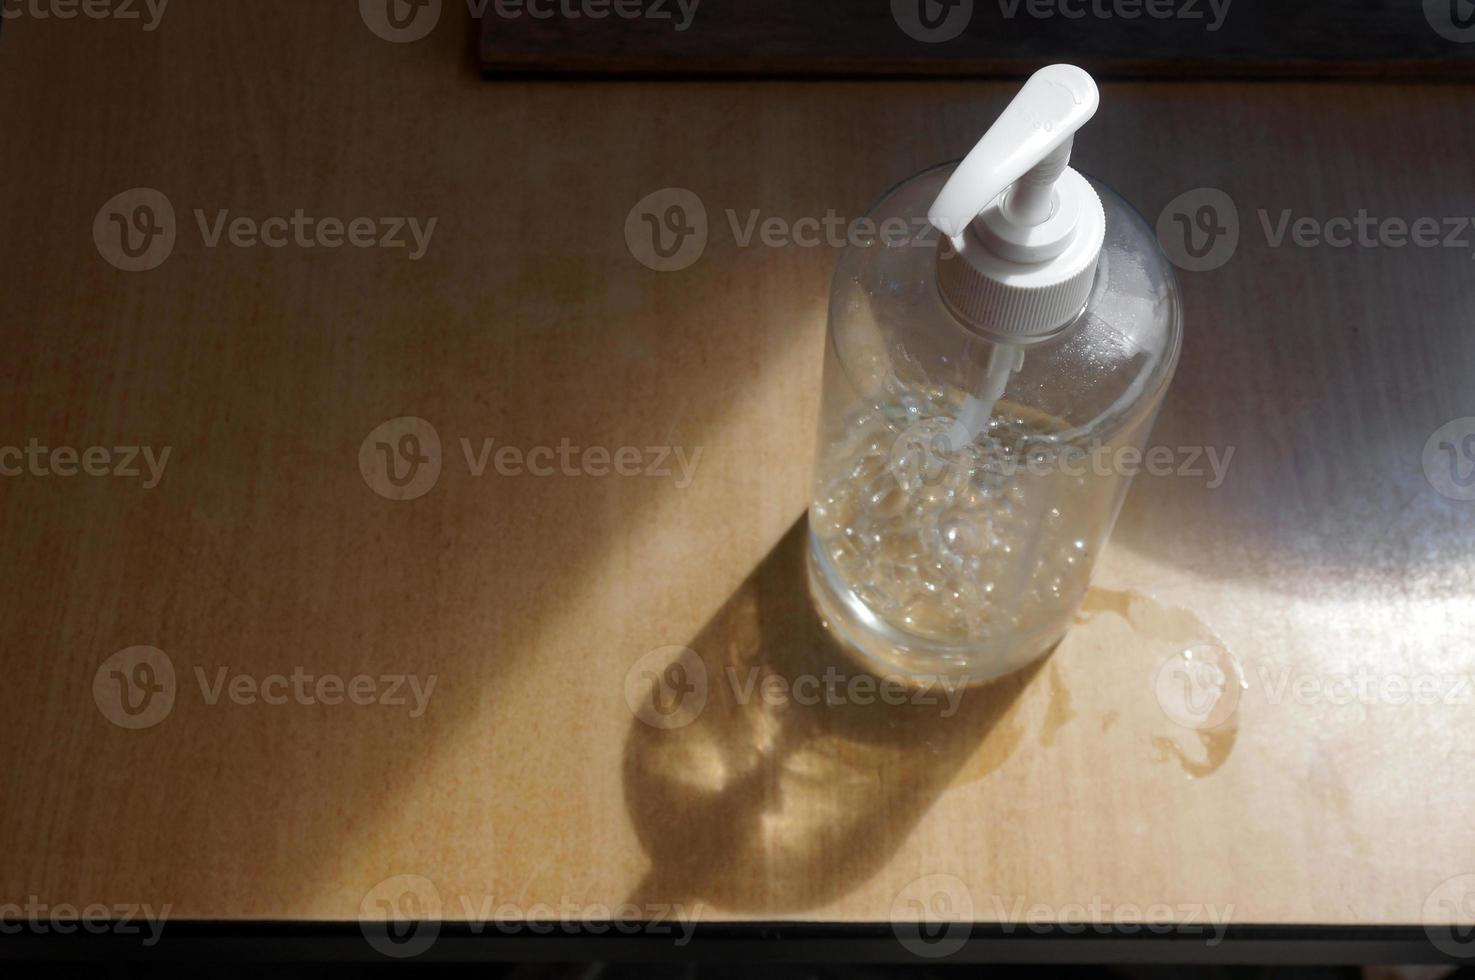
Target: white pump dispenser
[1026,229]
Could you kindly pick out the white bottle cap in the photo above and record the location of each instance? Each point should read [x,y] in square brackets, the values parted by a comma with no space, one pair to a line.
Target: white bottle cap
[1027,229]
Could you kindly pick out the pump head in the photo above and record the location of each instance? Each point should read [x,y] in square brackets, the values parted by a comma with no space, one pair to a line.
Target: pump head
[1026,228]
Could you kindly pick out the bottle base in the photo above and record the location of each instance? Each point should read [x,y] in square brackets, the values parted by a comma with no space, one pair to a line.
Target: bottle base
[892,651]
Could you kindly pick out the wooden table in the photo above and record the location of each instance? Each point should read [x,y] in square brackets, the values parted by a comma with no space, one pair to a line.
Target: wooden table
[534,602]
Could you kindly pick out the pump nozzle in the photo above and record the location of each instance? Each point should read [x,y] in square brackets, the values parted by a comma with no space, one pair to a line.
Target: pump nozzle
[1028,144]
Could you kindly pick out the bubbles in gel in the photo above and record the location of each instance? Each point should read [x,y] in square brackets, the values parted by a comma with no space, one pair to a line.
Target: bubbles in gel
[954,539]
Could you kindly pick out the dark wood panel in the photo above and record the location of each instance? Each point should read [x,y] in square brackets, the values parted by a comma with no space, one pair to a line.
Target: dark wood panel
[1113,38]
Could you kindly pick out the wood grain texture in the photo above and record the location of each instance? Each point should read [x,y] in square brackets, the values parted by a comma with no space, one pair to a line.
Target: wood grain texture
[529,779]
[1165,39]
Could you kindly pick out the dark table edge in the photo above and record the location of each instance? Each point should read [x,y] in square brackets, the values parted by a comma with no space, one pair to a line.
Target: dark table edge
[757,942]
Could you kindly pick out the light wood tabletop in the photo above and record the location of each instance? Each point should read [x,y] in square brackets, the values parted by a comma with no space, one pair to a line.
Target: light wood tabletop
[456,688]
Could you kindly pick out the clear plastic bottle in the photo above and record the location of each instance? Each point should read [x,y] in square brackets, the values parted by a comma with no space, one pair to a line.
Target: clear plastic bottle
[978,390]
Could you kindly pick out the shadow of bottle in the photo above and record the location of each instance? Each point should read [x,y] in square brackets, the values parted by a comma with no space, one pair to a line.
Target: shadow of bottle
[802,770]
